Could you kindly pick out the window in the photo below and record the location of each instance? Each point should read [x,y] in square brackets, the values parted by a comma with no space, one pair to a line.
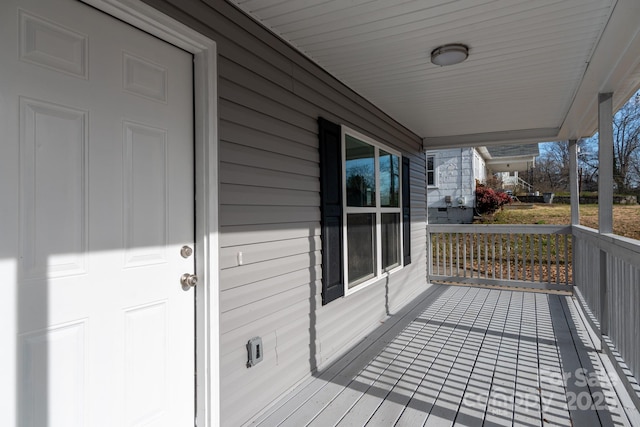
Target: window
[372,209]
[365,210]
[431,171]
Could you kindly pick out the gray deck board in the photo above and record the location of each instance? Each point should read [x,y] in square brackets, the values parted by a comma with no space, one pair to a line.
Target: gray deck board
[464,356]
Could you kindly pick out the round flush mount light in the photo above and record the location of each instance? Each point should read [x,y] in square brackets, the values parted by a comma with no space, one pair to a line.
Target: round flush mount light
[449,54]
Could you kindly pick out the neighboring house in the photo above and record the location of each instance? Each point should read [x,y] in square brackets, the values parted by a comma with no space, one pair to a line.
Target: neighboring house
[177,180]
[507,161]
[452,175]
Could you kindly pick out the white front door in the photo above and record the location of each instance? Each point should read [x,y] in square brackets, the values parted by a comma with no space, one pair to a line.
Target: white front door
[97,143]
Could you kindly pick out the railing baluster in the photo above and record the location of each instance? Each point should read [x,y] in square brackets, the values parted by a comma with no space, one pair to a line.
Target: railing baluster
[557,261]
[434,251]
[457,254]
[486,256]
[472,244]
[508,256]
[439,247]
[524,256]
[540,276]
[515,256]
[478,240]
[465,237]
[493,256]
[532,250]
[501,257]
[443,249]
[549,258]
[566,259]
[437,238]
[442,244]
[445,260]
[451,254]
[444,253]
[520,253]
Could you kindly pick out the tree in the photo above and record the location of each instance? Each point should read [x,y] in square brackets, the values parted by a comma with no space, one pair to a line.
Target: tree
[626,147]
[552,166]
[551,173]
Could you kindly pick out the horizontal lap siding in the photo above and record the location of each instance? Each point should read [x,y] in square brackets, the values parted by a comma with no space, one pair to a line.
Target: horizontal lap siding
[454,170]
[270,98]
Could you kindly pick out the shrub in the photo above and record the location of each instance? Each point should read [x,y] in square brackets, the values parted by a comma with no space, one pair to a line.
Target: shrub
[488,200]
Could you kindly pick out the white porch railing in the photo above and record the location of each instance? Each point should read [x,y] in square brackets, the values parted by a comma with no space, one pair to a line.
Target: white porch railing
[530,256]
[607,277]
[516,181]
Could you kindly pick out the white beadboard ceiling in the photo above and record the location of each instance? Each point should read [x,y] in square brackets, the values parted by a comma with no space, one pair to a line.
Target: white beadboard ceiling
[533,74]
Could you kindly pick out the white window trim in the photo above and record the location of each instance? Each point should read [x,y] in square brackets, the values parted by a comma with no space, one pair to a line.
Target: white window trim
[436,182]
[380,273]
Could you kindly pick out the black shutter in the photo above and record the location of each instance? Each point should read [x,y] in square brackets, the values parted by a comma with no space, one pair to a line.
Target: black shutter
[331,207]
[406,212]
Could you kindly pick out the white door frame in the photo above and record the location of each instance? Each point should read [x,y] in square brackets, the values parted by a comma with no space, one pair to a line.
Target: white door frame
[154,22]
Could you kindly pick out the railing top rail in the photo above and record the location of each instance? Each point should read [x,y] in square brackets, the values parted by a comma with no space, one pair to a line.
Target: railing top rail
[620,246]
[500,228]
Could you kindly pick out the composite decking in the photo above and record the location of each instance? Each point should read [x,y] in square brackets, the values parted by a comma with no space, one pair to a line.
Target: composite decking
[465,356]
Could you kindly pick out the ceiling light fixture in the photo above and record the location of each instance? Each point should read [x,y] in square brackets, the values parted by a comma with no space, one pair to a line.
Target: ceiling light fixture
[449,54]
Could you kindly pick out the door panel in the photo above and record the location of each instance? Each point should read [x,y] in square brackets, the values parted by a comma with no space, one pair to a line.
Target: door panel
[98,140]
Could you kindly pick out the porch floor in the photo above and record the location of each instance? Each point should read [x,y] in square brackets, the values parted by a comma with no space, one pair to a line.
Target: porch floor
[465,356]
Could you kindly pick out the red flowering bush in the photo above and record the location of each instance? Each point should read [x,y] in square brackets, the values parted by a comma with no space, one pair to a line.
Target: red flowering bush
[488,200]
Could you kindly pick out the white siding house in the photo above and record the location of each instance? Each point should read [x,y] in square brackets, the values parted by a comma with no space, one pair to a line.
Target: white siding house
[451,195]
[451,182]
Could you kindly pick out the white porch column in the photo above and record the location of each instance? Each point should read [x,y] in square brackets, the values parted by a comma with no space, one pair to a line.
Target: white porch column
[605,163]
[605,196]
[574,185]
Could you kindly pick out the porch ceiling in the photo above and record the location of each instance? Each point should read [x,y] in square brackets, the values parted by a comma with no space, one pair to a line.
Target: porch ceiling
[510,158]
[533,73]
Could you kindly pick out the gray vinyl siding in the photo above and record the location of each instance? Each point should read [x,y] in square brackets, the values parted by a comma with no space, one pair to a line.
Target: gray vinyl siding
[270,98]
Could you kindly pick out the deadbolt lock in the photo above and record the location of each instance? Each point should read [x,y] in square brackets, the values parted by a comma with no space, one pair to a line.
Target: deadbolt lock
[188,281]
[186,251]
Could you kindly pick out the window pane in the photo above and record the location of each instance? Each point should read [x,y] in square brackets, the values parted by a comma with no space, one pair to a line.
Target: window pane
[430,178]
[360,173]
[430,160]
[389,180]
[390,240]
[361,247]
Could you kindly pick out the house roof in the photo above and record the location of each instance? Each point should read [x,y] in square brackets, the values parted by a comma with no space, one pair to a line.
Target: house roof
[509,158]
[534,71]
[519,150]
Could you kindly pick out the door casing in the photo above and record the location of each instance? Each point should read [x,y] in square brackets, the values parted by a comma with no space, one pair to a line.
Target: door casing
[154,22]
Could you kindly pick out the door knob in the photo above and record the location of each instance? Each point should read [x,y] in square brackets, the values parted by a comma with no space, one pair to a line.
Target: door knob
[188,281]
